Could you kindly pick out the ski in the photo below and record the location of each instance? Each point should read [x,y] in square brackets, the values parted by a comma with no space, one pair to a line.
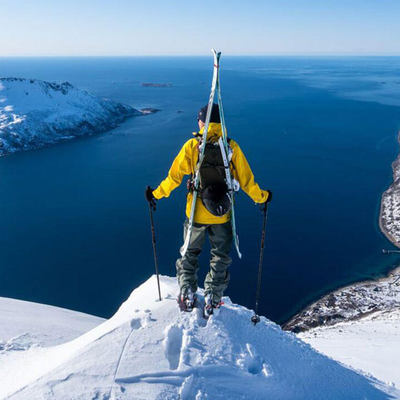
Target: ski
[201,152]
[224,146]
[225,156]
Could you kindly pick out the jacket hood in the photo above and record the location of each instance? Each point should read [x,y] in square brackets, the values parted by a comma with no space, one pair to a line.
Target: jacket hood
[214,131]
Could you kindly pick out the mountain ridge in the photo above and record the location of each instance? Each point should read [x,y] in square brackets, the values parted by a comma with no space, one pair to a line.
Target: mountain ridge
[150,350]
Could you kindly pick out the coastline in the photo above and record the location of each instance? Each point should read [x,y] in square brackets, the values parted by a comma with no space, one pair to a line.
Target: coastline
[389,215]
[349,303]
[357,300]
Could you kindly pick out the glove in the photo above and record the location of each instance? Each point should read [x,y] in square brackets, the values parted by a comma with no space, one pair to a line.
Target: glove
[263,206]
[150,198]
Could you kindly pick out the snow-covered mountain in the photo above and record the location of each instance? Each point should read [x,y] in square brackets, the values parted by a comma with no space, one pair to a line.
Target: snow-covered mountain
[150,350]
[24,324]
[34,113]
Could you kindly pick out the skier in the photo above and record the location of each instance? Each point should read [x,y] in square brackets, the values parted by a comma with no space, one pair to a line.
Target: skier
[212,209]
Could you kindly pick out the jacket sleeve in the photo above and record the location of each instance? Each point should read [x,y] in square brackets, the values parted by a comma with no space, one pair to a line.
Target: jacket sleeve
[181,166]
[243,174]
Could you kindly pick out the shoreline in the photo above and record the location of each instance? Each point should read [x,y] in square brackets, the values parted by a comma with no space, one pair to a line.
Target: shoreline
[349,303]
[354,301]
[389,214]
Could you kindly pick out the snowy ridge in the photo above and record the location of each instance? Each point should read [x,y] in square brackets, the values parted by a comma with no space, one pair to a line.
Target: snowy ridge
[150,350]
[389,219]
[25,324]
[35,113]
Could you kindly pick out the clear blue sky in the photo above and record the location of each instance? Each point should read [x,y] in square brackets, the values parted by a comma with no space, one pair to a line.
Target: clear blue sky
[130,27]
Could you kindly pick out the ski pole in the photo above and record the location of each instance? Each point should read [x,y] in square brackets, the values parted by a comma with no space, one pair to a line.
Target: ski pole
[255,318]
[153,235]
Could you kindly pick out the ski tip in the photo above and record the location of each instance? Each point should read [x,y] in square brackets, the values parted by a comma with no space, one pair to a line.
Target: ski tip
[216,53]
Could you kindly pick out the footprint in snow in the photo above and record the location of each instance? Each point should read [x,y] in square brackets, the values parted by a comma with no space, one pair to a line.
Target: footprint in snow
[252,362]
[136,323]
[173,345]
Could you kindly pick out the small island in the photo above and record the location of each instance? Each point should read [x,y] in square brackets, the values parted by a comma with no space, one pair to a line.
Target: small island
[149,110]
[158,85]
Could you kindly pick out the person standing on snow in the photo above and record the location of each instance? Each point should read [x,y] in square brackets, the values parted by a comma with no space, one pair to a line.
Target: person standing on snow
[207,219]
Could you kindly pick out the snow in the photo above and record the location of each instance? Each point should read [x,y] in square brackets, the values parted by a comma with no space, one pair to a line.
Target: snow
[150,350]
[34,113]
[23,324]
[371,344]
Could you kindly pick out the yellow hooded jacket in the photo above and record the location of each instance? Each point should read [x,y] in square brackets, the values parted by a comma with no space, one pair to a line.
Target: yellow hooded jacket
[185,164]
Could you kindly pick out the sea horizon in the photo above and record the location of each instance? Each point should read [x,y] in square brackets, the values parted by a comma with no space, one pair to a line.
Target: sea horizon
[188,55]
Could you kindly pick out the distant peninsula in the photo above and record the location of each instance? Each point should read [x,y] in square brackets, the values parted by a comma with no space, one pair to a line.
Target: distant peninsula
[36,113]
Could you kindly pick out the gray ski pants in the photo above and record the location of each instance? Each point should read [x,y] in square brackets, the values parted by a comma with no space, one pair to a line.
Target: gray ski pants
[217,279]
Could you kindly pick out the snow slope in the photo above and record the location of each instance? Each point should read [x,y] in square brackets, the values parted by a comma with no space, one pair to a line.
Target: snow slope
[150,350]
[25,324]
[34,113]
[371,344]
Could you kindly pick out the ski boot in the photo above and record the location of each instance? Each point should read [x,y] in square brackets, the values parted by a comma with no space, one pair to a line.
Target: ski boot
[211,307]
[187,300]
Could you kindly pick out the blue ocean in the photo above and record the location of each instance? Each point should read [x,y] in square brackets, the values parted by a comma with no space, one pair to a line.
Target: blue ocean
[319,132]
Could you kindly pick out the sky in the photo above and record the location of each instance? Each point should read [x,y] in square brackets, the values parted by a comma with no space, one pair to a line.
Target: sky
[186,27]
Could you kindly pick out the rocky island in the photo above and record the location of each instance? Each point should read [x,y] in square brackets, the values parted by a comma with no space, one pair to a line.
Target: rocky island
[149,110]
[35,113]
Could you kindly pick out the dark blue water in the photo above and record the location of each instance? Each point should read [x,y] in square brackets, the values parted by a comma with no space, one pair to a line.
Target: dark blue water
[319,132]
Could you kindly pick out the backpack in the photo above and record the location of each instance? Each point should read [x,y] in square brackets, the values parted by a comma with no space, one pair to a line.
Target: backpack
[213,189]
